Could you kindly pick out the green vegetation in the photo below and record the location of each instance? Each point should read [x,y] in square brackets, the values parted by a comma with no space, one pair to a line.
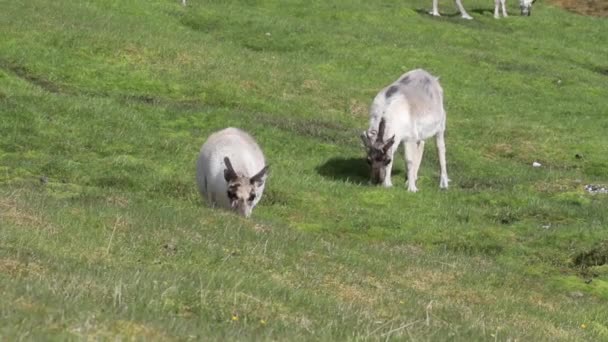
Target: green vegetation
[104,105]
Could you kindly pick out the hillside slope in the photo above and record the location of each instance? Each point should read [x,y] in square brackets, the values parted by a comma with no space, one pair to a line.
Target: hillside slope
[105,104]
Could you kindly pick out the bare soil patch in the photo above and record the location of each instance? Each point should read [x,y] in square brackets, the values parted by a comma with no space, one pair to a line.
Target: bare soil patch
[598,8]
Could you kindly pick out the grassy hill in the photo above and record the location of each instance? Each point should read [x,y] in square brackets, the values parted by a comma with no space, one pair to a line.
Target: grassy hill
[104,105]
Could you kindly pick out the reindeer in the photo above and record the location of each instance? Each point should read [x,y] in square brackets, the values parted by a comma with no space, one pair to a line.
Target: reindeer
[526,7]
[407,111]
[231,171]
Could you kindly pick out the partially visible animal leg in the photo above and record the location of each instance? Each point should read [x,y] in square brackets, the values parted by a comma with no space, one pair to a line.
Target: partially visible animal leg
[463,12]
[411,155]
[443,178]
[387,183]
[504,8]
[435,11]
[418,160]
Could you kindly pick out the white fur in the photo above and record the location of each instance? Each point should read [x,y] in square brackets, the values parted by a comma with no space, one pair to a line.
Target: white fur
[413,112]
[245,155]
[465,15]
[526,6]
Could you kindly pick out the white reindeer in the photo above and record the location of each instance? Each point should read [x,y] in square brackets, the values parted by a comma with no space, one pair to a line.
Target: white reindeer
[409,110]
[231,171]
[465,15]
[526,7]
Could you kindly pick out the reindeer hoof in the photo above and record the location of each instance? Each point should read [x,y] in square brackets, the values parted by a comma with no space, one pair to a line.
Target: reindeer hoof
[467,17]
[443,183]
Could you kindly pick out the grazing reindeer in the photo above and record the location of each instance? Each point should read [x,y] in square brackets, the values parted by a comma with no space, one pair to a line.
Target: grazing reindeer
[231,171]
[526,7]
[409,110]
[465,15]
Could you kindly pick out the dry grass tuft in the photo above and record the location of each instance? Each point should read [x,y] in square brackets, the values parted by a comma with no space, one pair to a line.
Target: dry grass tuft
[15,213]
[358,109]
[16,268]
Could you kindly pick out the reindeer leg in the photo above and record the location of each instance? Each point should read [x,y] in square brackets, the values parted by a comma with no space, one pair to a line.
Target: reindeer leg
[443,178]
[418,160]
[387,183]
[504,8]
[411,155]
[463,12]
[435,11]
[496,5]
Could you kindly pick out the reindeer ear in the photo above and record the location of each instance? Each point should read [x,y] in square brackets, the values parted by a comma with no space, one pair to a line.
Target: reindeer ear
[389,143]
[229,173]
[259,177]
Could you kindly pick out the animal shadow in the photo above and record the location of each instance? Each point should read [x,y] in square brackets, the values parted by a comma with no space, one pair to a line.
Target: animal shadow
[427,13]
[353,170]
[483,11]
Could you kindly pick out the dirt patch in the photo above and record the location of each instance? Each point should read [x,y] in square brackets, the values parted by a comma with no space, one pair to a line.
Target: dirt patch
[358,109]
[16,268]
[32,78]
[597,8]
[12,212]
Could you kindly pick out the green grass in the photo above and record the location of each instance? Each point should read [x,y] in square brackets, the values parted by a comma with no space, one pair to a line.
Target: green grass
[111,101]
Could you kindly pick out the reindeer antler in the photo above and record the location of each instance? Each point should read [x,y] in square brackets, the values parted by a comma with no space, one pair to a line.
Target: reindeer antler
[380,137]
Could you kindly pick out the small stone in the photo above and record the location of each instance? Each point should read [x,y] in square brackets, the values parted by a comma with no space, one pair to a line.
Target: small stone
[596,189]
[170,247]
[576,294]
[536,164]
[546,226]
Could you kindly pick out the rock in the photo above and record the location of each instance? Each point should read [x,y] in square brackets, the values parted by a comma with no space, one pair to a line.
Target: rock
[596,189]
[536,164]
[576,294]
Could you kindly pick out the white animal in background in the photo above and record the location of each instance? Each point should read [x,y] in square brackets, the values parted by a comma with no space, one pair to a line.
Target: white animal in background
[231,171]
[465,15]
[526,7]
[409,110]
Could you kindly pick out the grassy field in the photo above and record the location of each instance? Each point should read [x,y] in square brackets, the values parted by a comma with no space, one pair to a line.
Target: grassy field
[104,105]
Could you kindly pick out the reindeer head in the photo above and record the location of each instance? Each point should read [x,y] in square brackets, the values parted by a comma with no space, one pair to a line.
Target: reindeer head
[526,6]
[378,152]
[243,191]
